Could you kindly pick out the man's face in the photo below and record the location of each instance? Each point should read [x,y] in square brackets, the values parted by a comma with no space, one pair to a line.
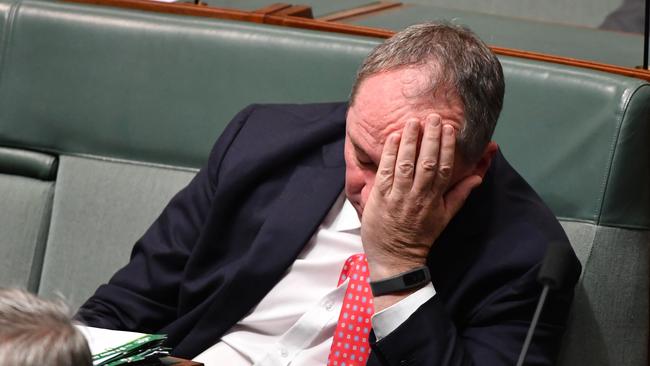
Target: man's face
[383,104]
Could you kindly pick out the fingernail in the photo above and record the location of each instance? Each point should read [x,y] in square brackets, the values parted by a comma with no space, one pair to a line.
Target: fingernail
[435,120]
[412,122]
[448,130]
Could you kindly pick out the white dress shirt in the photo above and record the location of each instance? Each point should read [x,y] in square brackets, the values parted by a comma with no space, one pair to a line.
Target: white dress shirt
[294,323]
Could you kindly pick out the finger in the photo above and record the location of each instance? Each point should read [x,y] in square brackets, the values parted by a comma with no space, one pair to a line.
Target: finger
[405,165]
[446,164]
[427,165]
[455,198]
[386,169]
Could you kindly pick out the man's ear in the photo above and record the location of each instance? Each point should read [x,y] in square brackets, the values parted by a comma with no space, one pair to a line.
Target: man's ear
[482,165]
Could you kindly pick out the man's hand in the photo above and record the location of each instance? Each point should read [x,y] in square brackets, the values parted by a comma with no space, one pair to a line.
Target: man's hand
[411,202]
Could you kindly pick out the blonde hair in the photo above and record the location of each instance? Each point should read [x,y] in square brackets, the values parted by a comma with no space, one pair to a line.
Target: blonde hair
[38,332]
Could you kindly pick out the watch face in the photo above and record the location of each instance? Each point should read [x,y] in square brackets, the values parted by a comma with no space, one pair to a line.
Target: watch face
[413,278]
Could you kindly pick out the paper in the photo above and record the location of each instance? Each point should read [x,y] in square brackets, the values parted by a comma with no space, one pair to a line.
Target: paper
[101,340]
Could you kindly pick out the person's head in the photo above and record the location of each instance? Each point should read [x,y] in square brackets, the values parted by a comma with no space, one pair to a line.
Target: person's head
[425,69]
[37,332]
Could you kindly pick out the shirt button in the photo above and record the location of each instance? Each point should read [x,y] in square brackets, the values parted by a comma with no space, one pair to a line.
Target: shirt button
[329,305]
[284,352]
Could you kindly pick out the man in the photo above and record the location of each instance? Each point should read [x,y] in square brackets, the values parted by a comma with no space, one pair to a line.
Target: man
[37,332]
[628,17]
[240,268]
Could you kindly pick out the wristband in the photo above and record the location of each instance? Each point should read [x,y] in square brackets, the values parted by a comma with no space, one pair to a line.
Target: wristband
[404,281]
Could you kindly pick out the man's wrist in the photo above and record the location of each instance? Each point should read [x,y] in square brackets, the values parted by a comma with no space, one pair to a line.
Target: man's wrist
[402,282]
[386,269]
[381,270]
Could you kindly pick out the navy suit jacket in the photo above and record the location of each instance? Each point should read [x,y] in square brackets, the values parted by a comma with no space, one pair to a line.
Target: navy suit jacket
[227,238]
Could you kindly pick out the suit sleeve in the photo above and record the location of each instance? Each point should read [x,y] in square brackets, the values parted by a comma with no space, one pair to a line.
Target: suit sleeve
[143,295]
[493,335]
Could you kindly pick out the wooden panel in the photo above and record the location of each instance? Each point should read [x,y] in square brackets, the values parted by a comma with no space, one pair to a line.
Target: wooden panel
[361,10]
[326,26]
[302,11]
[613,69]
[273,8]
[180,8]
[316,24]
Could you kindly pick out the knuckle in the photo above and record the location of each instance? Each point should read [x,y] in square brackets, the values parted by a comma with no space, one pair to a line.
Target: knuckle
[429,165]
[417,206]
[384,173]
[445,171]
[405,168]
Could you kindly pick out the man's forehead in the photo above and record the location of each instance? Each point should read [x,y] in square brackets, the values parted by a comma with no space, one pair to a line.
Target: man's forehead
[385,101]
[365,134]
[409,82]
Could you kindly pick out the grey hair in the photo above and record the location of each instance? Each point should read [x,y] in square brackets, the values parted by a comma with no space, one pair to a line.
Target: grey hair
[38,332]
[458,62]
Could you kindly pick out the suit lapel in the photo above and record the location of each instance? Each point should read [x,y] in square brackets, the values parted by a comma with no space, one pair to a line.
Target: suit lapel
[301,207]
[299,210]
[297,214]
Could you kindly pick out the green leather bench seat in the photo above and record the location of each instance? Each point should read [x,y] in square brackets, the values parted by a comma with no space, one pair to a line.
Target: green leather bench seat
[26,191]
[132,83]
[100,209]
[27,163]
[617,48]
[132,107]
[131,102]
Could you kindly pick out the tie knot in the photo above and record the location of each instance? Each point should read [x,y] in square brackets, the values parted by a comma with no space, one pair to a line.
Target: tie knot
[357,259]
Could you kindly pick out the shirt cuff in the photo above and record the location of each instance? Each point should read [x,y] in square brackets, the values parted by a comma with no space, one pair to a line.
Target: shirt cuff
[387,320]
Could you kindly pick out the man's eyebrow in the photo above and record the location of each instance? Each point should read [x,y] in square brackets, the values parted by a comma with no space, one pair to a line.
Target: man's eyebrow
[357,148]
[363,154]
[352,141]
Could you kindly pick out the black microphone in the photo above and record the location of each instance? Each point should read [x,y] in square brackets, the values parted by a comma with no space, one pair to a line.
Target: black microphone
[552,273]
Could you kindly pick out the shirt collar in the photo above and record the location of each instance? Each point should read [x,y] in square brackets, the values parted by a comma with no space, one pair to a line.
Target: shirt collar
[347,218]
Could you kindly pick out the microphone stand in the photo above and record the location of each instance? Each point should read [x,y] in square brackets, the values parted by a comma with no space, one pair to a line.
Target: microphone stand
[533,325]
[551,275]
[646,34]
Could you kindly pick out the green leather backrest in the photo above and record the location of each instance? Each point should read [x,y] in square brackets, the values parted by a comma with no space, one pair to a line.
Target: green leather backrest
[140,86]
[581,139]
[5,7]
[90,80]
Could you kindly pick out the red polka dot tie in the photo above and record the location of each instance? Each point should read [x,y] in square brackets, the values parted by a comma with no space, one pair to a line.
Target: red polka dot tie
[350,345]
